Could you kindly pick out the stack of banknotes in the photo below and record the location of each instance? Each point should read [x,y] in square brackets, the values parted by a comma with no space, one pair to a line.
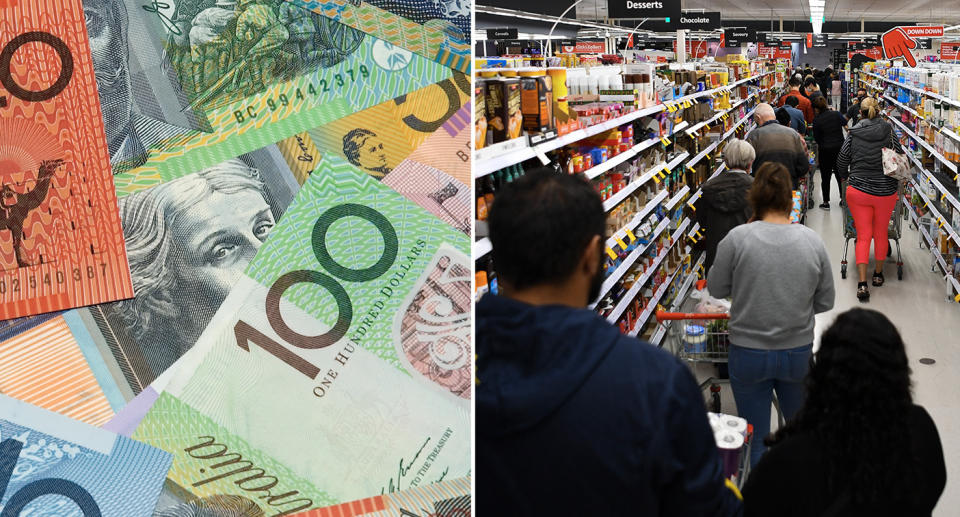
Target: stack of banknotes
[234,258]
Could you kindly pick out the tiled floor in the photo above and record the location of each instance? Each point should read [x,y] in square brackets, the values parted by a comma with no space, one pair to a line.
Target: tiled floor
[929,324]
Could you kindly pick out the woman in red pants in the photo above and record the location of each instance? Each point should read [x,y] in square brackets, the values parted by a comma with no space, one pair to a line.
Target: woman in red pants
[870,194]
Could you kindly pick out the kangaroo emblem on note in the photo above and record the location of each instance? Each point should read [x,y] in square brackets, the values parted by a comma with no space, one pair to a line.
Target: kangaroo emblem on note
[15,207]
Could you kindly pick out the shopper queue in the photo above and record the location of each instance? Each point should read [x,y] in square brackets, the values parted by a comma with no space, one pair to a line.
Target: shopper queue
[565,400]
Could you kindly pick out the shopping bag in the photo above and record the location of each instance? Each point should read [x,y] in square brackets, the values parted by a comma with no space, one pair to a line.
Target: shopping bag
[896,165]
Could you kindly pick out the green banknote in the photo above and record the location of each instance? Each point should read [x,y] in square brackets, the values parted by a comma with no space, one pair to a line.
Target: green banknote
[187,84]
[343,352]
[436,29]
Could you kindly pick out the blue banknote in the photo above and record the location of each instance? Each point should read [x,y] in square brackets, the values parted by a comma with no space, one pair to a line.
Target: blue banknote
[53,466]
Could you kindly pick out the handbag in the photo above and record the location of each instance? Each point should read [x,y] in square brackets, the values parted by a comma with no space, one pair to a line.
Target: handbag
[896,165]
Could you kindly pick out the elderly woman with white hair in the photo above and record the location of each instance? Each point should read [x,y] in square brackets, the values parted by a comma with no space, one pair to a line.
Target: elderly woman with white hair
[723,204]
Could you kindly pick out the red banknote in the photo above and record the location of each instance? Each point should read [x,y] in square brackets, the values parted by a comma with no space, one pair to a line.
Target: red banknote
[61,243]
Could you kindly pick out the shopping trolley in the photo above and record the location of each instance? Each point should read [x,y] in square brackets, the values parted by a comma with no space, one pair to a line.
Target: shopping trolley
[893,231]
[705,339]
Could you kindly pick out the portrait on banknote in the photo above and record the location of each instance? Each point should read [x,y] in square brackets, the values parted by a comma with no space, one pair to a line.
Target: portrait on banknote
[188,242]
[220,505]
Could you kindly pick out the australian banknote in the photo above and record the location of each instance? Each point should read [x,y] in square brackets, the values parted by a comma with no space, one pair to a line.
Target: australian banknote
[416,144]
[53,466]
[436,29]
[444,499]
[60,238]
[187,84]
[343,352]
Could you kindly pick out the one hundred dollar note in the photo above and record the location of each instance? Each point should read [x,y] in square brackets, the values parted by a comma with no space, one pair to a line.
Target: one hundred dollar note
[343,352]
[187,84]
[444,499]
[436,29]
[52,466]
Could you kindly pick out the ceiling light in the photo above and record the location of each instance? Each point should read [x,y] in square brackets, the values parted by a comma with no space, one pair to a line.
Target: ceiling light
[818,3]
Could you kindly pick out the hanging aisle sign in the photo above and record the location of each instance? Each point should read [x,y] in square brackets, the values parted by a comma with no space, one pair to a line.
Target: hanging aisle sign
[498,34]
[630,9]
[699,21]
[736,37]
[899,41]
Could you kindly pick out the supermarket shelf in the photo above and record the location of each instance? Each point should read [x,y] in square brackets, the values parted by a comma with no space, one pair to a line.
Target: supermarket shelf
[629,261]
[739,123]
[618,198]
[481,248]
[903,107]
[618,159]
[934,249]
[652,304]
[951,231]
[491,159]
[631,294]
[944,194]
[720,114]
[923,142]
[505,154]
[915,89]
[679,127]
[676,198]
[637,219]
[661,332]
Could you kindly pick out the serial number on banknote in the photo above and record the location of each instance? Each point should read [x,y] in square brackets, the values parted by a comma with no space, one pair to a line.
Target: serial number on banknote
[34,281]
[284,101]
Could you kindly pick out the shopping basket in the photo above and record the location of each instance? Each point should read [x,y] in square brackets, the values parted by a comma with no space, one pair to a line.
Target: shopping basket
[893,231]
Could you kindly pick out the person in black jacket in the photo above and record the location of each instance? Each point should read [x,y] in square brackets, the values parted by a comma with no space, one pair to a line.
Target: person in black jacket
[828,132]
[723,205]
[859,445]
[573,417]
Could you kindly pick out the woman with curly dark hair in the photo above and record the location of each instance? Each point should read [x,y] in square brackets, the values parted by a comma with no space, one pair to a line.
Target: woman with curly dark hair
[859,445]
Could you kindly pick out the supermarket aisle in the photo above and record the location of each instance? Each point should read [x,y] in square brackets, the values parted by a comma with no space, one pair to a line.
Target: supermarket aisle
[928,323]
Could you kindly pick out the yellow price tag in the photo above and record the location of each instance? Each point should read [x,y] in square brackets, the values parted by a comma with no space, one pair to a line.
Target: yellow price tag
[622,244]
[699,235]
[940,222]
[692,239]
[708,156]
[690,167]
[613,255]
[656,180]
[632,237]
[665,141]
[692,206]
[667,169]
[662,175]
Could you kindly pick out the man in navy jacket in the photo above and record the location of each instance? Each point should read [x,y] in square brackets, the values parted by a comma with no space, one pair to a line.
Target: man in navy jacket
[573,417]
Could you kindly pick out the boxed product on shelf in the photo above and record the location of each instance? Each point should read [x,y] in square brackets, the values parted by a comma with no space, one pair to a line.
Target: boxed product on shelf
[536,103]
[503,109]
[480,114]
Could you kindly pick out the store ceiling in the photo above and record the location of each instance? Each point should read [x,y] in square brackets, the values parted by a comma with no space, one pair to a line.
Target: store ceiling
[940,11]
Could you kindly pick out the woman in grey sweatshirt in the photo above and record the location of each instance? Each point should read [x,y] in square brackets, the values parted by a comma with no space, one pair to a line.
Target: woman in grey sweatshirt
[778,275]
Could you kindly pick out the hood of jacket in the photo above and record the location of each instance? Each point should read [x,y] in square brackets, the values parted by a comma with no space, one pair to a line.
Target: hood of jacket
[727,192]
[532,359]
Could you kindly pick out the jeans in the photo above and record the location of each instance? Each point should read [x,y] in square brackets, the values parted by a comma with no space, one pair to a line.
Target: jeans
[835,101]
[755,374]
[871,218]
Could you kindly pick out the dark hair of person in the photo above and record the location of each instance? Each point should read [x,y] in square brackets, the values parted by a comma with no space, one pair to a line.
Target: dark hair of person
[864,90]
[810,81]
[540,226]
[820,104]
[792,101]
[783,117]
[858,399]
[772,190]
[794,82]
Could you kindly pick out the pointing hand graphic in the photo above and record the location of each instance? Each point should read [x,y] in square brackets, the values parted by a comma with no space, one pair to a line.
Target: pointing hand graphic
[896,43]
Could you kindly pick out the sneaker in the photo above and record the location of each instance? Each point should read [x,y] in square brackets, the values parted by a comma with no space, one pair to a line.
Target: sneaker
[863,294]
[825,206]
[878,279]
